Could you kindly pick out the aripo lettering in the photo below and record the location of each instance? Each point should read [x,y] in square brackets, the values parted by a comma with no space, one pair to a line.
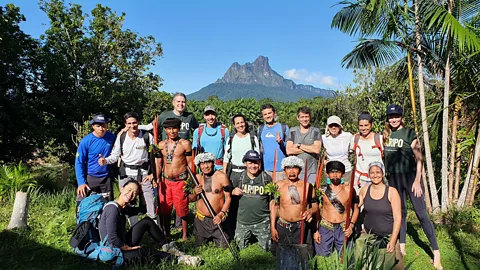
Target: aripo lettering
[395,142]
[249,189]
[185,126]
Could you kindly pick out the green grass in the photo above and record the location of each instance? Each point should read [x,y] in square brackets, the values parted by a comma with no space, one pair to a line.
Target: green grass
[51,221]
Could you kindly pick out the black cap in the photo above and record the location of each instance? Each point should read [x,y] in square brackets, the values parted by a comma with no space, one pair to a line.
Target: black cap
[394,109]
[335,165]
[172,122]
[251,155]
[99,119]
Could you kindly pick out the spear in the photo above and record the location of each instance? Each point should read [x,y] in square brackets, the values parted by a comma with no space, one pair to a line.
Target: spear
[304,202]
[212,213]
[274,173]
[321,164]
[350,196]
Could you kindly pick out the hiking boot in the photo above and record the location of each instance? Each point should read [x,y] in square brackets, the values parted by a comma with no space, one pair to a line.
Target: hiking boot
[189,260]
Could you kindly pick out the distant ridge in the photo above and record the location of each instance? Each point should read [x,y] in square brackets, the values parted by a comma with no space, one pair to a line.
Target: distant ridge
[258,80]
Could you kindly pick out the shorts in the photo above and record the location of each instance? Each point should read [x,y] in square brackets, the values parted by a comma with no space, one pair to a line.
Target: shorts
[204,231]
[332,237]
[172,195]
[99,185]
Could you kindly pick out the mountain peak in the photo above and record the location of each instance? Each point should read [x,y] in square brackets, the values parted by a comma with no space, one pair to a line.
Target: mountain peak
[261,61]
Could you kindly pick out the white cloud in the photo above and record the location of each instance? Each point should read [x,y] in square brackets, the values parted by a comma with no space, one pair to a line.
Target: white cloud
[304,76]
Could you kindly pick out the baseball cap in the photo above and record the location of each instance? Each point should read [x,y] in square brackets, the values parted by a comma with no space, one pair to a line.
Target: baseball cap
[100,119]
[394,109]
[335,165]
[209,108]
[251,155]
[334,120]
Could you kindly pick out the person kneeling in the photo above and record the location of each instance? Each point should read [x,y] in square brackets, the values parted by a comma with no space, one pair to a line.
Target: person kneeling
[217,190]
[112,226]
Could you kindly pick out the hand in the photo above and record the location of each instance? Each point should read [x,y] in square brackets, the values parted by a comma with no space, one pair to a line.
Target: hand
[198,189]
[101,160]
[125,129]
[274,234]
[307,215]
[390,247]
[147,178]
[278,138]
[417,189]
[348,231]
[154,184]
[127,247]
[218,219]
[237,192]
[317,237]
[82,190]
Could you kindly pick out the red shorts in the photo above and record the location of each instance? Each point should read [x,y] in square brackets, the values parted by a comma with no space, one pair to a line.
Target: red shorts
[171,195]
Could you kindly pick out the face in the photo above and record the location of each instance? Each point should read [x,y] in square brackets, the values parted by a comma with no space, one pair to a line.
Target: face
[303,119]
[206,167]
[239,124]
[132,124]
[376,175]
[210,118]
[268,115]
[365,127]
[99,129]
[395,120]
[253,167]
[179,104]
[334,129]
[335,177]
[129,192]
[292,173]
[172,132]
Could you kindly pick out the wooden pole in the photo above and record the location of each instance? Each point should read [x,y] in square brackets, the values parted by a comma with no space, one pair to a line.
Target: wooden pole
[304,202]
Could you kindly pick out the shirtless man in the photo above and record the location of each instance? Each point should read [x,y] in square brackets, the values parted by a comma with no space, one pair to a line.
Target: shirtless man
[217,190]
[176,154]
[286,230]
[331,224]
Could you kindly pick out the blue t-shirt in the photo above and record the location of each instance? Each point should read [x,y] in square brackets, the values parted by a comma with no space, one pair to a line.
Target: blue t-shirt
[211,141]
[269,143]
[86,160]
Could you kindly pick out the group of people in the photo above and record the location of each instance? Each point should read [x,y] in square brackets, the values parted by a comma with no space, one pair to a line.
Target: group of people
[262,184]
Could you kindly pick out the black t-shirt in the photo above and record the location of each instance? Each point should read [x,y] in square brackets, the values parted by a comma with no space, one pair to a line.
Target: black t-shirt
[399,156]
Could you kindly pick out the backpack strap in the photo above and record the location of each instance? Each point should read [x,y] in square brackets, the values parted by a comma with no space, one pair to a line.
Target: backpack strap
[378,143]
[356,138]
[229,151]
[260,130]
[284,132]
[200,132]
[252,140]
[122,140]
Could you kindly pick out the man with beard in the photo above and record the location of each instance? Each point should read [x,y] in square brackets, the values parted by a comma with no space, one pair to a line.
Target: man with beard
[176,155]
[217,191]
[331,224]
[253,219]
[291,207]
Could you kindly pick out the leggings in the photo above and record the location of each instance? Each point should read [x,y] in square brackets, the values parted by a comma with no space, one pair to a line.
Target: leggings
[145,254]
[403,182]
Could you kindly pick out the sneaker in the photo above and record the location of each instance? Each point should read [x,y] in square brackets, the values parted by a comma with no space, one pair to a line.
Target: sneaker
[189,260]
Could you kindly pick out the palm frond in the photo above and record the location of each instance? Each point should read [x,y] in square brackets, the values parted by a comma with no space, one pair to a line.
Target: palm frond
[373,52]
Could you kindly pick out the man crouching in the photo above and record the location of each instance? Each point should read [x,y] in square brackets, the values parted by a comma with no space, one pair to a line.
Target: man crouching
[217,190]
[331,225]
[291,207]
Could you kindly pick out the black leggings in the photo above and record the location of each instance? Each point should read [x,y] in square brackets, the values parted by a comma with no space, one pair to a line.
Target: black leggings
[403,182]
[145,254]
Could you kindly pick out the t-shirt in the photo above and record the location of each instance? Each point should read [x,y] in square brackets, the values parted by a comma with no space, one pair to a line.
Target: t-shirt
[86,160]
[189,123]
[370,153]
[112,223]
[211,142]
[254,203]
[239,147]
[308,138]
[399,156]
[337,148]
[269,144]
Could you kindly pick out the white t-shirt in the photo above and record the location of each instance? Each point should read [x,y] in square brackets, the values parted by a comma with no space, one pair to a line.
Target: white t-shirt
[370,153]
[135,152]
[337,148]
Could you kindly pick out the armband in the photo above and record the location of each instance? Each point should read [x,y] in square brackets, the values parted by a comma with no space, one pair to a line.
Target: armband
[314,200]
[356,200]
[188,154]
[228,188]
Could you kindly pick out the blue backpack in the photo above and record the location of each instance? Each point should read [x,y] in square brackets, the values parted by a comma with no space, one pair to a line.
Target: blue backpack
[85,240]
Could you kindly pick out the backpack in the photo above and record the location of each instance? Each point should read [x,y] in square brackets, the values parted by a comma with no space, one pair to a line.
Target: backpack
[284,131]
[229,151]
[146,138]
[200,132]
[376,138]
[85,240]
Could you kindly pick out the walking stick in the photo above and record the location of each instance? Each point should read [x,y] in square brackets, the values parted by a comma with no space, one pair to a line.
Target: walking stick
[321,164]
[212,213]
[304,202]
[349,202]
[154,168]
[274,173]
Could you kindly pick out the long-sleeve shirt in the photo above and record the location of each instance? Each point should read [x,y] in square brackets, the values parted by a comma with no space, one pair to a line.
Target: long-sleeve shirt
[86,160]
[112,223]
[135,150]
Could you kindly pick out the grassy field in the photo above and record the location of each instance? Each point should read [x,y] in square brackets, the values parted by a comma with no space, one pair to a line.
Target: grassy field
[51,220]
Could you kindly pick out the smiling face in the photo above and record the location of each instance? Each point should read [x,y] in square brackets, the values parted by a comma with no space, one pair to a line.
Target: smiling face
[239,124]
[304,119]
[292,173]
[376,175]
[365,127]
[129,192]
[210,118]
[253,167]
[395,120]
[179,104]
[268,115]
[99,129]
[132,125]
[334,129]
[206,167]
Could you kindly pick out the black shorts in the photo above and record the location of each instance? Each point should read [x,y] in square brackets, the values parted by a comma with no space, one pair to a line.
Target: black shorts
[206,231]
[99,185]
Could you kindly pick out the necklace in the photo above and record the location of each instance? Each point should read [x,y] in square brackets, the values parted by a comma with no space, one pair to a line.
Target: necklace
[170,155]
[336,193]
[216,130]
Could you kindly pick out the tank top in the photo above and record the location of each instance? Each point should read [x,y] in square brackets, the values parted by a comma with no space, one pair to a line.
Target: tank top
[378,214]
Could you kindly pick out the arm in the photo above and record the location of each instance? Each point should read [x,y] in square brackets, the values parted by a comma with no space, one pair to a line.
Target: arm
[417,152]
[226,156]
[226,205]
[159,163]
[348,231]
[312,148]
[397,217]
[148,127]
[112,219]
[292,149]
[312,197]
[116,151]
[273,220]
[81,163]
[196,191]
[188,149]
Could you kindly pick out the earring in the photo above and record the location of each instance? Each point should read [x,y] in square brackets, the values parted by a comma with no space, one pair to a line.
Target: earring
[343,181]
[328,181]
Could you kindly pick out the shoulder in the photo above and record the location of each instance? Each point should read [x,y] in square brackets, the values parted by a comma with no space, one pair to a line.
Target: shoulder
[315,129]
[266,176]
[220,175]
[86,139]
[161,143]
[111,208]
[347,134]
[281,183]
[184,142]
[363,191]
[294,129]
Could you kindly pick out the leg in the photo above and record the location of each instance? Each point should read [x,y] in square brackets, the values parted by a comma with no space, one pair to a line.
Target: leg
[242,234]
[326,242]
[180,202]
[262,232]
[217,235]
[338,238]
[200,232]
[398,182]
[146,255]
[135,234]
[149,198]
[165,205]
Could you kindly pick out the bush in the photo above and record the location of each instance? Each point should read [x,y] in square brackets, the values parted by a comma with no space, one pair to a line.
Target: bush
[13,179]
[464,219]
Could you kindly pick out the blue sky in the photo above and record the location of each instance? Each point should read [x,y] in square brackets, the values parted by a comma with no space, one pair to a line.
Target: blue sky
[201,39]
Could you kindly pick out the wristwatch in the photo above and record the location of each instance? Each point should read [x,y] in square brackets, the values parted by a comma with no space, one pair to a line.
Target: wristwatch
[298,145]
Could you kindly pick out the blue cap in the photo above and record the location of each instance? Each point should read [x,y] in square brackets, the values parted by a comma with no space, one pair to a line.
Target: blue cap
[100,119]
[251,155]
[394,109]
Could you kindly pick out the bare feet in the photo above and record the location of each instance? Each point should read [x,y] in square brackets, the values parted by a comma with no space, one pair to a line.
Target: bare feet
[402,249]
[436,260]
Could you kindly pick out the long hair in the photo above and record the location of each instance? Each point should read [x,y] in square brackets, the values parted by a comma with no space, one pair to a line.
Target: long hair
[388,130]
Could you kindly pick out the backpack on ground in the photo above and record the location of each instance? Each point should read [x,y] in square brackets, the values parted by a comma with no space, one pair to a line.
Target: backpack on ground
[85,240]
